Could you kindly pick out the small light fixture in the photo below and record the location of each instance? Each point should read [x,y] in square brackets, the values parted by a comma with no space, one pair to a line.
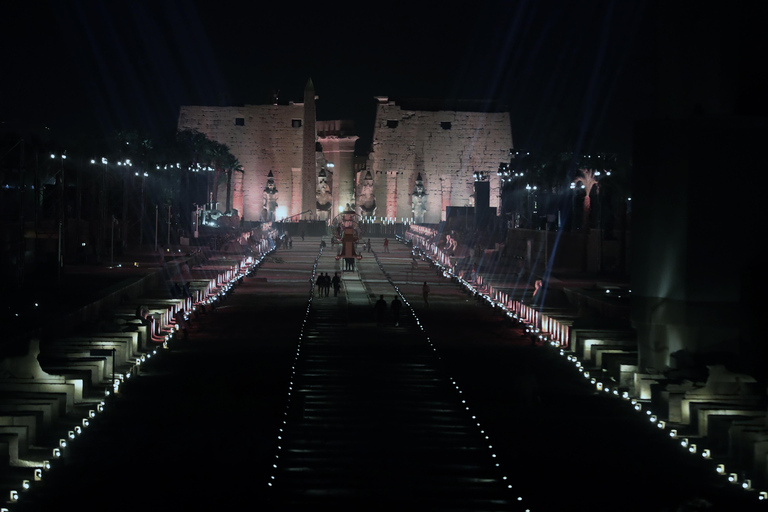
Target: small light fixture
[38,474]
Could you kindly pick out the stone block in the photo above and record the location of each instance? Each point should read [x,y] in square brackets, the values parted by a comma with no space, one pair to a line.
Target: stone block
[28,420]
[46,409]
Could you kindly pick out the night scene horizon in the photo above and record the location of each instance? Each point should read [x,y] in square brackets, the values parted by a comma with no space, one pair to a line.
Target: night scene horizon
[489,256]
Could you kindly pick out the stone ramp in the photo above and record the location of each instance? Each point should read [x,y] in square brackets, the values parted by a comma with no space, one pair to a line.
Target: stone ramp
[374,425]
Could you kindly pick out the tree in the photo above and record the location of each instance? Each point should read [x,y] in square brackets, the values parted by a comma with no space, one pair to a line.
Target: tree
[588,181]
[193,150]
[232,164]
[219,156]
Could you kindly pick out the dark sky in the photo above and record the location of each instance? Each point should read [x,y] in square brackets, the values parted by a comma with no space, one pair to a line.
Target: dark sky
[573,74]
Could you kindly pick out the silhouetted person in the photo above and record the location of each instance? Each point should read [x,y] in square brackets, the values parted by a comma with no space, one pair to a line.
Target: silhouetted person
[327,284]
[381,310]
[181,322]
[425,293]
[396,305]
[386,245]
[336,282]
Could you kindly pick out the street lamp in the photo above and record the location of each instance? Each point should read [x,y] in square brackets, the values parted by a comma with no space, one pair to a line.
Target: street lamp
[532,191]
[62,214]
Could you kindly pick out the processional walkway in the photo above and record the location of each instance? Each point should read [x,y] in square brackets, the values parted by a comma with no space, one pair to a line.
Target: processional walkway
[373,423]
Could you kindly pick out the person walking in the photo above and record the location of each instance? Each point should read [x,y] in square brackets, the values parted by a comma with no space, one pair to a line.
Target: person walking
[386,245]
[369,245]
[381,310]
[181,322]
[425,293]
[327,284]
[336,282]
[395,306]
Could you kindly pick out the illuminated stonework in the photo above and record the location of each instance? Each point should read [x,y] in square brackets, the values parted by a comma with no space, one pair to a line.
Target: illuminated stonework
[444,147]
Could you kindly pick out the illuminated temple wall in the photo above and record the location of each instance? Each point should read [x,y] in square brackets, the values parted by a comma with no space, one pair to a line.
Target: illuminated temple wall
[409,142]
[267,140]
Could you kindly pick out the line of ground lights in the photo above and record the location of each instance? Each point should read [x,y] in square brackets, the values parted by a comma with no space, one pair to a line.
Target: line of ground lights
[282,427]
[482,432]
[66,443]
[600,385]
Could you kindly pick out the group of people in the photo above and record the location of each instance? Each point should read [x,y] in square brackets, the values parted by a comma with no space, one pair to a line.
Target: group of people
[284,242]
[381,310]
[324,282]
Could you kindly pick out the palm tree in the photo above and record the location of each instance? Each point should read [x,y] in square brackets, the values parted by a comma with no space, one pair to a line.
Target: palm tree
[193,150]
[588,180]
[231,165]
[219,156]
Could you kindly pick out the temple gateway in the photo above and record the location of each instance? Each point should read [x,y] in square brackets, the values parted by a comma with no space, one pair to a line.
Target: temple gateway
[424,159]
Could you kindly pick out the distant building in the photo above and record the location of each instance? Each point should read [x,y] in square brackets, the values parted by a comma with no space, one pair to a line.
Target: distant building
[445,148]
[313,163]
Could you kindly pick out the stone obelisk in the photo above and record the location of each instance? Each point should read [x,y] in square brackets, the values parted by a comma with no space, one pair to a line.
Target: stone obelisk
[309,157]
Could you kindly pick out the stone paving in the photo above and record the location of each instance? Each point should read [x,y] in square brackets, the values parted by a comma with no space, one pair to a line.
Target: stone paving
[199,428]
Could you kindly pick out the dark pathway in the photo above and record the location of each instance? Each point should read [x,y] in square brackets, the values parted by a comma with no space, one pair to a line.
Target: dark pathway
[373,423]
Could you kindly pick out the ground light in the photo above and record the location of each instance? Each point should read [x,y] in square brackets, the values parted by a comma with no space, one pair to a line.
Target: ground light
[58,452]
[407,304]
[533,330]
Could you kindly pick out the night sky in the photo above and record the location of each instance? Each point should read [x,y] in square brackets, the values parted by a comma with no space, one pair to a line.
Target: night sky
[575,75]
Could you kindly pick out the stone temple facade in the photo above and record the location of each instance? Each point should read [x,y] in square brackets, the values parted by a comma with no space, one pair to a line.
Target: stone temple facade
[445,149]
[422,160]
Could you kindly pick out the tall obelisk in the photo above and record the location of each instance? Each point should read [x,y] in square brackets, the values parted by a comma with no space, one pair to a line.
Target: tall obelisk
[309,158]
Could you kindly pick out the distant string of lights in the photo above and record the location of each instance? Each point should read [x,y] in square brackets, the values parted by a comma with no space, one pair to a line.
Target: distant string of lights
[281,429]
[67,442]
[601,385]
[478,425]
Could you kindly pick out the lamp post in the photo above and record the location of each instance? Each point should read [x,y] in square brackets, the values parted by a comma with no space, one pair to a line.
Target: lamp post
[62,215]
[143,175]
[102,209]
[156,227]
[530,210]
